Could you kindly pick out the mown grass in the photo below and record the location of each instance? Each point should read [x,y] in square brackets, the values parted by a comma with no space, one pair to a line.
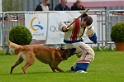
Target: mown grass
[108,66]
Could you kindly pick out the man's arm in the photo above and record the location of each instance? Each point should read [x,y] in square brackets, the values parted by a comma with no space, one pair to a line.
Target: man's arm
[91,34]
[63,26]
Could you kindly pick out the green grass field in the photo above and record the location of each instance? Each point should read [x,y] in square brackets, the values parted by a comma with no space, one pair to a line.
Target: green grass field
[108,66]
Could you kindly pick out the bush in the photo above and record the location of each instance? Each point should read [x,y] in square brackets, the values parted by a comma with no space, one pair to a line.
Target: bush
[20,35]
[117,33]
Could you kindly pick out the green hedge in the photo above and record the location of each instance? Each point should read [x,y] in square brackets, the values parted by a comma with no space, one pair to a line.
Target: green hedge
[117,33]
[20,35]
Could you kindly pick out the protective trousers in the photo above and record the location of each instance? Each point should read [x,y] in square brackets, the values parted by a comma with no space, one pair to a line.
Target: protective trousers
[85,54]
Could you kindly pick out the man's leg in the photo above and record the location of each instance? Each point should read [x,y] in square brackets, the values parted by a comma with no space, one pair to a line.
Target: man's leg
[81,64]
[87,56]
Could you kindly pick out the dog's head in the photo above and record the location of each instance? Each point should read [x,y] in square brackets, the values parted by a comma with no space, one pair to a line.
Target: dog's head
[67,53]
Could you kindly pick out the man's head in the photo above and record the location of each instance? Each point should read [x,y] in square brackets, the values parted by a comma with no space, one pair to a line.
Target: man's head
[46,2]
[79,4]
[86,21]
[63,2]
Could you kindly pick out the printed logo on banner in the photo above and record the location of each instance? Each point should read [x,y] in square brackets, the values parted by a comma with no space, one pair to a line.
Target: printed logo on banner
[35,26]
[37,30]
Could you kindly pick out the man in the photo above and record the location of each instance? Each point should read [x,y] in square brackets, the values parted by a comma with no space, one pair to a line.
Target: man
[78,5]
[73,38]
[43,6]
[62,6]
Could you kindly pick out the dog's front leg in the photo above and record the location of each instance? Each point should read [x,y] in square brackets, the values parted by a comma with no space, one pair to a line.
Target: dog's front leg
[60,70]
[54,67]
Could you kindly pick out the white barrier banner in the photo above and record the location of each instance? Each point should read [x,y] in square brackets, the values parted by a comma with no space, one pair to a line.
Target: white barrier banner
[37,24]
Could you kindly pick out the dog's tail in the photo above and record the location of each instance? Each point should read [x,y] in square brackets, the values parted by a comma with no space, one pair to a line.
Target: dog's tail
[14,46]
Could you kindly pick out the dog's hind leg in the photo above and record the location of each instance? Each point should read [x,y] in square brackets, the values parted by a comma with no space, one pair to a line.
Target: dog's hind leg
[30,61]
[19,61]
[26,66]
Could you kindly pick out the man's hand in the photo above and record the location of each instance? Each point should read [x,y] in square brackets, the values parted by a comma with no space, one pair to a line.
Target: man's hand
[65,28]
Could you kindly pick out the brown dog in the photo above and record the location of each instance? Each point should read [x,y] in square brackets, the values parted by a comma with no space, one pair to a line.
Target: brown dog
[45,54]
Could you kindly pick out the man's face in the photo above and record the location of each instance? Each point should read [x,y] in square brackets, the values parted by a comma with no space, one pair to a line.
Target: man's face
[83,23]
[79,5]
[63,3]
[46,1]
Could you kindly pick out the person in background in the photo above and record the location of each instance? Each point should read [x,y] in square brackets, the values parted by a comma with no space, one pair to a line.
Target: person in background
[78,5]
[62,6]
[73,38]
[43,6]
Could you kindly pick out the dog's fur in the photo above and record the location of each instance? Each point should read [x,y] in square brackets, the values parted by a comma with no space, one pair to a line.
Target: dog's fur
[45,54]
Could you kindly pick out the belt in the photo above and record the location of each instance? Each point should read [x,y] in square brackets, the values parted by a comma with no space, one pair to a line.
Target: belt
[68,41]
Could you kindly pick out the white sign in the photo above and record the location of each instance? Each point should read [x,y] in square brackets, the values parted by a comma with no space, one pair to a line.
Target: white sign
[37,24]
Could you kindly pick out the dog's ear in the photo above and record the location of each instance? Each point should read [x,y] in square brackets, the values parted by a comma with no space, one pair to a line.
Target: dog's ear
[68,52]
